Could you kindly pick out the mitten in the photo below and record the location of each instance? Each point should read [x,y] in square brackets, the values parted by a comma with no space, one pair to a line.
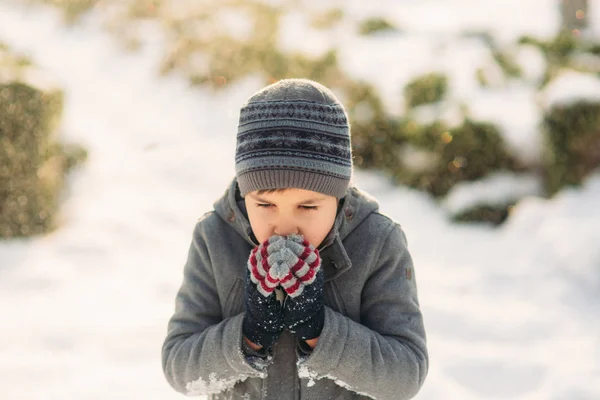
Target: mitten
[293,262]
[263,320]
[303,309]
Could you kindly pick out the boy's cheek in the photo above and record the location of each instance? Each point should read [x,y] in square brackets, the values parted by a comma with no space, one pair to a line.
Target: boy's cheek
[258,230]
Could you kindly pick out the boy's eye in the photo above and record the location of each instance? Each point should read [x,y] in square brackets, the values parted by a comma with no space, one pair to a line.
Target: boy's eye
[267,205]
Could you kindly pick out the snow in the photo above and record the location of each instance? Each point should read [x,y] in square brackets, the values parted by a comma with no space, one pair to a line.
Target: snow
[514,111]
[499,189]
[532,62]
[433,47]
[570,87]
[306,373]
[349,387]
[450,17]
[296,35]
[213,386]
[509,312]
[450,113]
[236,23]
[312,376]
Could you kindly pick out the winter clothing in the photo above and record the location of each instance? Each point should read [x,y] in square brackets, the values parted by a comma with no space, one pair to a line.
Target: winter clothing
[290,262]
[294,134]
[304,315]
[372,343]
[259,269]
[263,320]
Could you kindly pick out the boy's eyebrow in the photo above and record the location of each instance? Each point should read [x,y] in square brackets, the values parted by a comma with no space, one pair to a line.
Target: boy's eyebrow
[307,201]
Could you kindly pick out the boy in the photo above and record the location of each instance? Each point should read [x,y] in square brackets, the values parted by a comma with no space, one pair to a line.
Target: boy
[296,287]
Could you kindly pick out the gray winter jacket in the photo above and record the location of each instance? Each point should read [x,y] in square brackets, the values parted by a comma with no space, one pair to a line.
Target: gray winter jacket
[373,341]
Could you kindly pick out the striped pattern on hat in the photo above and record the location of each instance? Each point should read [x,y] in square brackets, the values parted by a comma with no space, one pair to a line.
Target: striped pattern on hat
[290,262]
[294,134]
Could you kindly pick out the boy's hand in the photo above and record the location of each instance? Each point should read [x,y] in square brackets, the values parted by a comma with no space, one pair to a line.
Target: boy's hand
[304,315]
[263,320]
[303,309]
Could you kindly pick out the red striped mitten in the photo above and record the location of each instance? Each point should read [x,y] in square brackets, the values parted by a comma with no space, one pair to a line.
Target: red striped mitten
[263,319]
[294,263]
[260,268]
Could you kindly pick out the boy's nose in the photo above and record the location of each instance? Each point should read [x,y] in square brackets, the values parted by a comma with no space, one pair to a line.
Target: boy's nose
[284,229]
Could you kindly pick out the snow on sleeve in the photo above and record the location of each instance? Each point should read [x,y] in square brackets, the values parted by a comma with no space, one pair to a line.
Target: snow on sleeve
[570,87]
[496,190]
[213,386]
[306,373]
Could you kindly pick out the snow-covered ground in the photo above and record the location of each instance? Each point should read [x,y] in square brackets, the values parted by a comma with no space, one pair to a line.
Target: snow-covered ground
[511,313]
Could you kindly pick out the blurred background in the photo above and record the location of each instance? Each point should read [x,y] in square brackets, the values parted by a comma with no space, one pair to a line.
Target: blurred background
[475,123]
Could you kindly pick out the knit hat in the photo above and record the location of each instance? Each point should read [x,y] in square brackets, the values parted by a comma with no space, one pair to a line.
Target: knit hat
[294,134]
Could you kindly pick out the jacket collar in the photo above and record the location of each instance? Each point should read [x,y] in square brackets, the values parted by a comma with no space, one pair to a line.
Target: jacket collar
[354,207]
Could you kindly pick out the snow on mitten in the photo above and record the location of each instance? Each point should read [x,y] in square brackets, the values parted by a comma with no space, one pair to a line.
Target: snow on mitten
[303,309]
[263,319]
[304,315]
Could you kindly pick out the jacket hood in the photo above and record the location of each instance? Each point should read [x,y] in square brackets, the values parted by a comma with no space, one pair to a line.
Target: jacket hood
[353,208]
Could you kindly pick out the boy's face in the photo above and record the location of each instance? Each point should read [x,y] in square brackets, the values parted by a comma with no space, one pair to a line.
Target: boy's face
[293,211]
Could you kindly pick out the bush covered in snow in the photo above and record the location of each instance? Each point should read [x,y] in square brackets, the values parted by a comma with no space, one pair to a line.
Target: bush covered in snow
[429,88]
[217,43]
[428,156]
[573,135]
[32,162]
[565,50]
[466,152]
[374,25]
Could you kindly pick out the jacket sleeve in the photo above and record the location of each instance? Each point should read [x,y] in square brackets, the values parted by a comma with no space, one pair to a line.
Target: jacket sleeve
[385,356]
[202,352]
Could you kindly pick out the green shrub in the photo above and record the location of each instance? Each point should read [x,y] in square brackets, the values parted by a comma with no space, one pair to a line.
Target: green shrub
[559,51]
[200,49]
[594,49]
[424,89]
[503,57]
[229,59]
[494,215]
[374,134]
[507,64]
[29,205]
[572,134]
[464,153]
[374,25]
[481,77]
[32,163]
